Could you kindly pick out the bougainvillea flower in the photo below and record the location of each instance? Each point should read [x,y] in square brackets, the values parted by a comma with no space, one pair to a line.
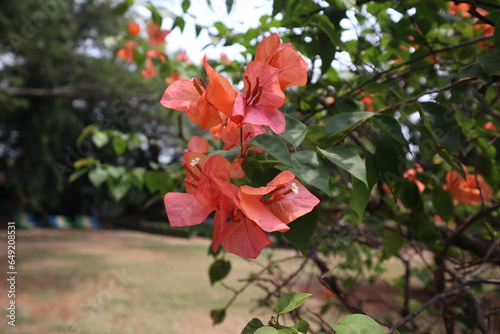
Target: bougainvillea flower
[261,99]
[174,76]
[367,100]
[183,57]
[280,202]
[224,59]
[472,190]
[460,8]
[156,35]
[292,68]
[155,53]
[488,30]
[133,28]
[198,144]
[205,105]
[411,175]
[490,126]
[207,189]
[127,53]
[201,145]
[463,9]
[243,237]
[231,134]
[150,71]
[184,210]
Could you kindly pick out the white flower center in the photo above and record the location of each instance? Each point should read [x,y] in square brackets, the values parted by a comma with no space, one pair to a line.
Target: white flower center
[195,161]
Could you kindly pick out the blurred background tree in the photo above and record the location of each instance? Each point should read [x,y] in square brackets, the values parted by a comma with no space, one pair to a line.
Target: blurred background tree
[57,78]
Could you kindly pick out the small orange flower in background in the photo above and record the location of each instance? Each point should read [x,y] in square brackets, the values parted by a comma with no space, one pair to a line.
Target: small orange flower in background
[183,57]
[155,53]
[150,71]
[471,190]
[133,28]
[490,126]
[442,222]
[461,8]
[224,59]
[127,53]
[156,35]
[172,77]
[411,175]
[488,30]
[367,100]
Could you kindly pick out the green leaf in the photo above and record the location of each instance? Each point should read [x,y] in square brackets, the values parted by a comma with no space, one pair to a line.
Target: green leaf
[295,131]
[252,326]
[100,139]
[266,330]
[219,270]
[344,121]
[290,301]
[392,242]
[118,188]
[443,125]
[155,15]
[121,8]
[442,202]
[185,5]
[116,171]
[311,169]
[229,5]
[302,326]
[391,127]
[409,194]
[230,155]
[119,145]
[151,180]
[97,176]
[348,3]
[301,230]
[179,22]
[274,146]
[359,198]
[473,70]
[218,315]
[489,61]
[357,324]
[391,160]
[348,160]
[77,174]
[262,176]
[429,146]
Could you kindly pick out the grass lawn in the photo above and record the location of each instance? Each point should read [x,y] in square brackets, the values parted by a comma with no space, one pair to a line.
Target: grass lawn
[115,281]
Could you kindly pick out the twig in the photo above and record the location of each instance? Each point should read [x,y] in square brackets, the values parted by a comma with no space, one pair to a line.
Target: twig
[479,313]
[424,306]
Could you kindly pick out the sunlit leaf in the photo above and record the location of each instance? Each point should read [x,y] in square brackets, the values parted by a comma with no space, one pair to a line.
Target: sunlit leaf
[357,324]
[290,301]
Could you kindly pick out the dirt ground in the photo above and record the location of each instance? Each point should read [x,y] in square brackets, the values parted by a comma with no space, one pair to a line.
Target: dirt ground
[128,282]
[115,281]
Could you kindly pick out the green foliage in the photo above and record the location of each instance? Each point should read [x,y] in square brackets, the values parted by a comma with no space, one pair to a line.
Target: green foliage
[219,270]
[290,301]
[357,324]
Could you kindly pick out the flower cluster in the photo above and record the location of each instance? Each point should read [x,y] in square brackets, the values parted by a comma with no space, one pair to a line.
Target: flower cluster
[156,39]
[243,214]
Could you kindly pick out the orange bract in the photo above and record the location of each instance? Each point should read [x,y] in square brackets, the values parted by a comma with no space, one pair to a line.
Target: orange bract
[127,53]
[155,34]
[472,190]
[133,28]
